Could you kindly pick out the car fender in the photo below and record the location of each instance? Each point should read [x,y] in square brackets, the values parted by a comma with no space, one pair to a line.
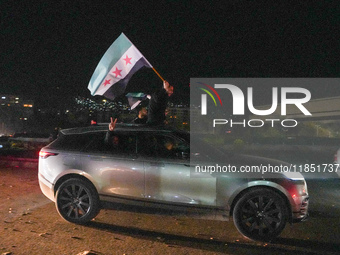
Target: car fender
[72,173]
[229,201]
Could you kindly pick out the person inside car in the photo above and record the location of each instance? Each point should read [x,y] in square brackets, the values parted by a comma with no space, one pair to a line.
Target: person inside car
[142,116]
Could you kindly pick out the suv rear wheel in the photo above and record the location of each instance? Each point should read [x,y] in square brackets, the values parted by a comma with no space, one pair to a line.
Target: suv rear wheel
[77,201]
[260,214]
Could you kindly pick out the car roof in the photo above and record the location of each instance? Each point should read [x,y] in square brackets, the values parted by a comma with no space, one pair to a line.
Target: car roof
[104,127]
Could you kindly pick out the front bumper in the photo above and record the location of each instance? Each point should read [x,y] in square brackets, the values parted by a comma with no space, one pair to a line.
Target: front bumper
[300,212]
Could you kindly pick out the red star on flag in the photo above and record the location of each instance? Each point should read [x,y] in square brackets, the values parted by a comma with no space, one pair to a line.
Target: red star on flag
[107,82]
[117,72]
[127,60]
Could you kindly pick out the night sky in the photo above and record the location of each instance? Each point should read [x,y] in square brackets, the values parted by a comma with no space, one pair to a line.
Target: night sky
[50,49]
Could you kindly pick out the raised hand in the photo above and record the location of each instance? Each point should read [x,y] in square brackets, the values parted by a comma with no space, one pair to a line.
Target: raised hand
[112,124]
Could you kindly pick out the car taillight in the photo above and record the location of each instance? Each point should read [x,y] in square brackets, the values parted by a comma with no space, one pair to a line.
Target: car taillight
[45,154]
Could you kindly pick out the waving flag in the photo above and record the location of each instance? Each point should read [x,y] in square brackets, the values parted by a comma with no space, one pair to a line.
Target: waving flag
[116,67]
[135,99]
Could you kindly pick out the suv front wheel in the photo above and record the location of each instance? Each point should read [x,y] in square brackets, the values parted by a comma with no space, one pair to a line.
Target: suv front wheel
[77,201]
[260,214]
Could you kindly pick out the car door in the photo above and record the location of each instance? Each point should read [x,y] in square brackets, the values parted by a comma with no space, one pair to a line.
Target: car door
[168,174]
[114,165]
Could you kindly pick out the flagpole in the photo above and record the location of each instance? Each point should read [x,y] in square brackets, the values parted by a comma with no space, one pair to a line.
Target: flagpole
[157,74]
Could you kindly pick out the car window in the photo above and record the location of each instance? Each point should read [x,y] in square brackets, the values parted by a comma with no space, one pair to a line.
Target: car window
[114,143]
[71,142]
[163,146]
[204,151]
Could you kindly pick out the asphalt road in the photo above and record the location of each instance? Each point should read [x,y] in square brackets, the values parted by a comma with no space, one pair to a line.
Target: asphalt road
[30,225]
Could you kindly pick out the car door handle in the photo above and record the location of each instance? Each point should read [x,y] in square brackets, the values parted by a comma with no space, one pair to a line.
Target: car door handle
[96,159]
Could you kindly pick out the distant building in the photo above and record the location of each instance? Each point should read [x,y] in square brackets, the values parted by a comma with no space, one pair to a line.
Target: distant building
[179,117]
[15,111]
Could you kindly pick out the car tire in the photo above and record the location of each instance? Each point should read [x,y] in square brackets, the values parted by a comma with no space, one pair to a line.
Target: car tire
[260,214]
[77,201]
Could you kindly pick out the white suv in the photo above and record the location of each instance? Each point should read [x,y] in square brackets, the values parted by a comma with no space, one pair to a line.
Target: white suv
[151,167]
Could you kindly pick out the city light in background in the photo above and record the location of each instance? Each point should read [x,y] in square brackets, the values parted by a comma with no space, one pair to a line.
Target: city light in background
[18,115]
